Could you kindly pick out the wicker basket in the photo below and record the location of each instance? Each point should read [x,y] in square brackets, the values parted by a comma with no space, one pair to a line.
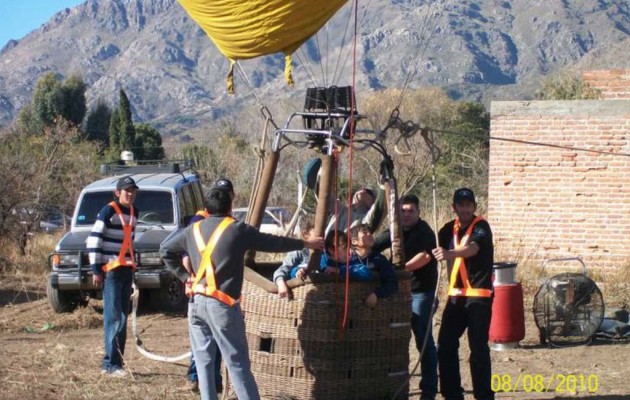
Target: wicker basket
[298,350]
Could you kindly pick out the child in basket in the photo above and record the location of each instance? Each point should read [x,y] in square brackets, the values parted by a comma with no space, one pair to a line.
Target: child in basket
[362,263]
[294,264]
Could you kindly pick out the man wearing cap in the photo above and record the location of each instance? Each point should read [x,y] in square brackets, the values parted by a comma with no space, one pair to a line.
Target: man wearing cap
[110,247]
[466,244]
[226,184]
[216,247]
[191,374]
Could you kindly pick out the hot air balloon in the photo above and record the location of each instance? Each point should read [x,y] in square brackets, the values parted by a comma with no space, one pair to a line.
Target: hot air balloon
[243,29]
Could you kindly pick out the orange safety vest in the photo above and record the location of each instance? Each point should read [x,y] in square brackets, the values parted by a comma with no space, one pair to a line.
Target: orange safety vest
[203,213]
[206,267]
[127,244]
[189,282]
[459,266]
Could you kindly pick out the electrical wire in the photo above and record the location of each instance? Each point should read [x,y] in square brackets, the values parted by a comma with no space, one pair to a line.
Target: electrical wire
[528,142]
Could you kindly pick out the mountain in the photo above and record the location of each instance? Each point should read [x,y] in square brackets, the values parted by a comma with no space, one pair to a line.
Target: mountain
[175,77]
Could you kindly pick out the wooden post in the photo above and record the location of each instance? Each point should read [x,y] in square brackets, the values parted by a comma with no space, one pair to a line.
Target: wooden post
[393,209]
[257,210]
[328,177]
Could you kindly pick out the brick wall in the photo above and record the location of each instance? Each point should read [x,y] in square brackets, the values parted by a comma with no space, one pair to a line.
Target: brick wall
[546,202]
[613,83]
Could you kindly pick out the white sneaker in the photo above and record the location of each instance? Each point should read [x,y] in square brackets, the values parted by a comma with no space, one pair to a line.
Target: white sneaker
[104,371]
[119,373]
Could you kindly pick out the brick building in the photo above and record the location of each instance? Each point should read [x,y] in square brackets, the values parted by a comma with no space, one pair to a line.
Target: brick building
[548,202]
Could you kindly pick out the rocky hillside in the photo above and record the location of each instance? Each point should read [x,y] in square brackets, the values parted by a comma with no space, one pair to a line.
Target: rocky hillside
[175,77]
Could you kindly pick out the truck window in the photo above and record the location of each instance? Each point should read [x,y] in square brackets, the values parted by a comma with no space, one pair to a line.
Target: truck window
[156,206]
[198,193]
[189,203]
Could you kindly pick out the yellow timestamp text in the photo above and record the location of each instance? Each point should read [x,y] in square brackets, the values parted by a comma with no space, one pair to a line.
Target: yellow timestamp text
[539,383]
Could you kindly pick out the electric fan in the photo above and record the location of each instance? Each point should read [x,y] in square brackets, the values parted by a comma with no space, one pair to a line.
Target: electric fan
[568,309]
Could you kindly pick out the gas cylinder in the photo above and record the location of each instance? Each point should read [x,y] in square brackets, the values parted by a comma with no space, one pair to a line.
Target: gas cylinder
[507,326]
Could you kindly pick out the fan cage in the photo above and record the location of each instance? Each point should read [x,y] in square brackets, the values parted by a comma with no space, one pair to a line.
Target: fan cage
[568,310]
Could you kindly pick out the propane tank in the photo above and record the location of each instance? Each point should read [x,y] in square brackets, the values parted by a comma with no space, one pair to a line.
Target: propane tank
[507,326]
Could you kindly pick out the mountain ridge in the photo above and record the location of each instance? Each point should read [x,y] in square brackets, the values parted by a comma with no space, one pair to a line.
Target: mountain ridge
[175,77]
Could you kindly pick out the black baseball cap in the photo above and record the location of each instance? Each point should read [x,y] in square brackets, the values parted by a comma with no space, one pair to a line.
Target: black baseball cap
[125,183]
[463,194]
[223,183]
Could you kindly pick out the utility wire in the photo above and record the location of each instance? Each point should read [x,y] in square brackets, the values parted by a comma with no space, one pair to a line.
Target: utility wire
[528,142]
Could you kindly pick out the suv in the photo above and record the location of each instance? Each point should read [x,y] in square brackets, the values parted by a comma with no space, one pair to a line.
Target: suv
[167,199]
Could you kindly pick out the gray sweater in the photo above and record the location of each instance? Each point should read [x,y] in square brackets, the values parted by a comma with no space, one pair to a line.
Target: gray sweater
[297,258]
[228,253]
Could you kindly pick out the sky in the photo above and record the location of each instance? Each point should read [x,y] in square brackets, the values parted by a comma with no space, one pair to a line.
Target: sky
[20,17]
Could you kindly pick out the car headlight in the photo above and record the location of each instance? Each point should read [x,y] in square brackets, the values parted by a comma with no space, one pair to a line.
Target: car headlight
[151,258]
[65,259]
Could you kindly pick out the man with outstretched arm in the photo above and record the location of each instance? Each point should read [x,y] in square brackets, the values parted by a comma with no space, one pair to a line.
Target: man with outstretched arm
[216,247]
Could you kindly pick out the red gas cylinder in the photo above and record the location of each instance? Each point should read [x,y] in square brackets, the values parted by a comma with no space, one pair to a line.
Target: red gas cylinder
[507,326]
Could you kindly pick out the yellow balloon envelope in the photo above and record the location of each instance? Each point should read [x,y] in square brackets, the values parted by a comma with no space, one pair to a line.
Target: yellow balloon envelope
[243,29]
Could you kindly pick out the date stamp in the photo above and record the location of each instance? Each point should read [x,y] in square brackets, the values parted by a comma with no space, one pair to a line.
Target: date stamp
[539,383]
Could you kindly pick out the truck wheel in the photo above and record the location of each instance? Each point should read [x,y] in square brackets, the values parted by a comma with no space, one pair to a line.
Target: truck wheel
[61,301]
[171,296]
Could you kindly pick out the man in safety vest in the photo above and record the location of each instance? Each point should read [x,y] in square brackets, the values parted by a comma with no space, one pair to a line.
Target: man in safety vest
[110,247]
[466,244]
[191,374]
[216,247]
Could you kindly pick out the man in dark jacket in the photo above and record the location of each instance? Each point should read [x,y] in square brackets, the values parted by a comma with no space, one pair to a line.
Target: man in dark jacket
[418,241]
[216,247]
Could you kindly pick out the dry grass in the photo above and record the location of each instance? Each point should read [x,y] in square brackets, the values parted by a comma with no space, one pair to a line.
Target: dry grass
[39,247]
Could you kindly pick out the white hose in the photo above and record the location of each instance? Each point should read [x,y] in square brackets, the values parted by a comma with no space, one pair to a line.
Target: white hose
[139,345]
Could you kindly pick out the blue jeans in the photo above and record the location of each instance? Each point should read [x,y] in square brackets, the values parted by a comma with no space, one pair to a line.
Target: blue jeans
[214,325]
[421,304]
[116,307]
[192,369]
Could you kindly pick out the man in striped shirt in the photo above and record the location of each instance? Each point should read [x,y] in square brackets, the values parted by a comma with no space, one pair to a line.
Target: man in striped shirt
[110,247]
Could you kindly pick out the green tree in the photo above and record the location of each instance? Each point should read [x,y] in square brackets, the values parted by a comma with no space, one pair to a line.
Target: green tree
[114,131]
[47,103]
[54,100]
[28,122]
[566,87]
[97,123]
[465,149]
[126,132]
[148,143]
[74,105]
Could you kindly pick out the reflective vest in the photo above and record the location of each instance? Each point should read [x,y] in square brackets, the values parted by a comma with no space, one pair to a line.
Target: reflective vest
[127,245]
[188,285]
[203,213]
[459,266]
[206,267]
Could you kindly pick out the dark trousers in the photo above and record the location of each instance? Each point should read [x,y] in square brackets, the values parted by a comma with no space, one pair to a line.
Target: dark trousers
[462,313]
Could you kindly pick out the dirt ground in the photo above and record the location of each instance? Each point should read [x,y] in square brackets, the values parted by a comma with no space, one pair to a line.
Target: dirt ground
[49,356]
